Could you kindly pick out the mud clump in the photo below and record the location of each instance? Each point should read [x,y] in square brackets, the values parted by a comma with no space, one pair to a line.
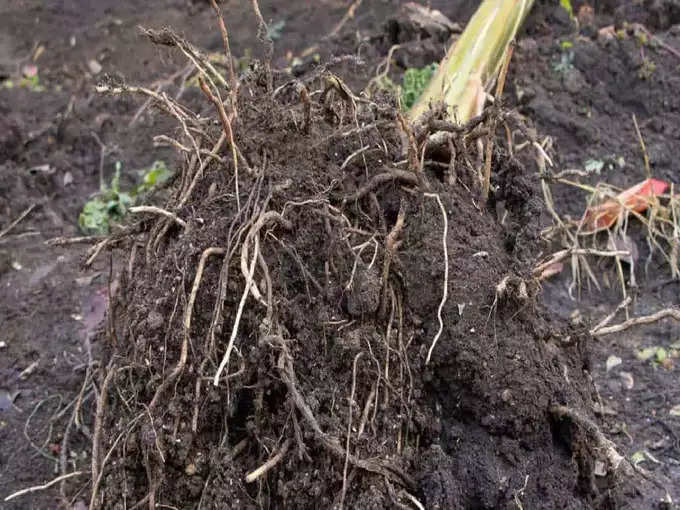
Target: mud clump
[268,344]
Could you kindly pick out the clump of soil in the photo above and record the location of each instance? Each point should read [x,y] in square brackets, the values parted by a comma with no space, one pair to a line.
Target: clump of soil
[317,270]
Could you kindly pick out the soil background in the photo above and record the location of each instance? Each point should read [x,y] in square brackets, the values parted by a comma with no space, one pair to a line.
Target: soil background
[48,306]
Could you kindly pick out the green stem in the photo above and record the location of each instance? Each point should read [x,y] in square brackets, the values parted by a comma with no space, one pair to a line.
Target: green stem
[473,61]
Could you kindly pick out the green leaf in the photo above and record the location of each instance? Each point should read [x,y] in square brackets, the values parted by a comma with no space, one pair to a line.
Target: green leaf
[637,457]
[95,217]
[414,83]
[156,175]
[661,355]
[657,354]
[594,166]
[275,30]
[646,354]
[114,204]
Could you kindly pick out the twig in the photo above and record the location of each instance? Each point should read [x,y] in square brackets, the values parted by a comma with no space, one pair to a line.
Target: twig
[9,227]
[62,241]
[167,37]
[611,316]
[673,313]
[446,276]
[564,254]
[648,171]
[157,210]
[227,52]
[96,250]
[348,15]
[273,461]
[226,126]
[161,84]
[47,485]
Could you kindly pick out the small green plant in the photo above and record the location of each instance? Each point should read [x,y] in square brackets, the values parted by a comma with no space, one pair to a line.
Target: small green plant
[594,166]
[31,83]
[111,204]
[565,63]
[657,356]
[414,82]
[275,30]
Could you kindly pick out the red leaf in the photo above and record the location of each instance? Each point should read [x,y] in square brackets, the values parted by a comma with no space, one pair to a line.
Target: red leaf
[636,198]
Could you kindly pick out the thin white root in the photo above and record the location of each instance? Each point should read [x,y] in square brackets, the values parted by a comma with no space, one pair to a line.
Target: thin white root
[349,429]
[273,461]
[239,312]
[188,314]
[446,276]
[17,221]
[44,486]
[157,210]
[412,498]
[611,316]
[674,313]
[265,218]
[540,270]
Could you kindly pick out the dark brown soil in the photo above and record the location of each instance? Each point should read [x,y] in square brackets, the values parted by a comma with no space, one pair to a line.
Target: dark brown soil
[473,429]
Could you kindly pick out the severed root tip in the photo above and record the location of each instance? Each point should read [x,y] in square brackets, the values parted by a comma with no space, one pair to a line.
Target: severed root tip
[615,460]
